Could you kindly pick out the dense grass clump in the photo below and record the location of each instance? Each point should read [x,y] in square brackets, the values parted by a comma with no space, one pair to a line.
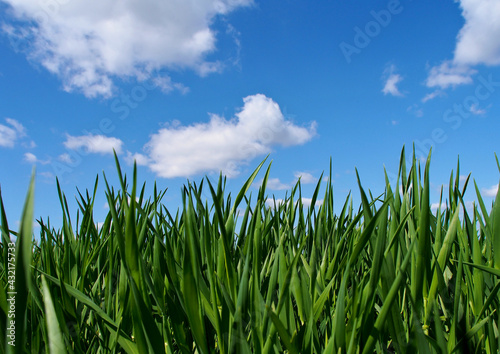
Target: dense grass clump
[233,275]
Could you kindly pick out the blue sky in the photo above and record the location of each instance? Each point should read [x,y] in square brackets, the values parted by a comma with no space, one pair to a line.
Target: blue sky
[193,88]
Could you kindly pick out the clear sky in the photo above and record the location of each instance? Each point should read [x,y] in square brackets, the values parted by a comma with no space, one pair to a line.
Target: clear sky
[190,88]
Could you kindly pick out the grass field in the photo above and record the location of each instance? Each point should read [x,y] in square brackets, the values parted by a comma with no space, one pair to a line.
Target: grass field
[232,275]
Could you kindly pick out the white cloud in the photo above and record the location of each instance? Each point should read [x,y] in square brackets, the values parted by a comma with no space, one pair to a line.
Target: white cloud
[220,144]
[391,81]
[435,206]
[275,184]
[432,95]
[270,202]
[90,43]
[92,144]
[449,74]
[306,202]
[478,41]
[11,132]
[491,192]
[17,126]
[140,159]
[31,158]
[65,158]
[305,177]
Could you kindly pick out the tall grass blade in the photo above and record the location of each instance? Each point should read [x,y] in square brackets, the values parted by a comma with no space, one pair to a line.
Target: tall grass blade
[56,342]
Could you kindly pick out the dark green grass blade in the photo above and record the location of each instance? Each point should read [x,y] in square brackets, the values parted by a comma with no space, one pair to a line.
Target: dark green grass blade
[285,336]
[246,186]
[143,314]
[190,287]
[384,311]
[129,346]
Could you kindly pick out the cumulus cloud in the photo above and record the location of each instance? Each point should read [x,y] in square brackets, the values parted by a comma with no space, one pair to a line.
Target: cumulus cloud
[221,144]
[11,132]
[140,159]
[491,192]
[90,143]
[478,42]
[90,43]
[391,81]
[275,184]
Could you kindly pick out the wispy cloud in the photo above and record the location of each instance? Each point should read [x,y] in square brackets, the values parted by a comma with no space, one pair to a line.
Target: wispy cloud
[474,109]
[88,44]
[11,132]
[449,74]
[416,110]
[66,158]
[391,81]
[90,143]
[220,144]
[433,95]
[47,175]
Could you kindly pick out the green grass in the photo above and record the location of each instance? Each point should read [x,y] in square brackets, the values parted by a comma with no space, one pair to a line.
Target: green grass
[231,275]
